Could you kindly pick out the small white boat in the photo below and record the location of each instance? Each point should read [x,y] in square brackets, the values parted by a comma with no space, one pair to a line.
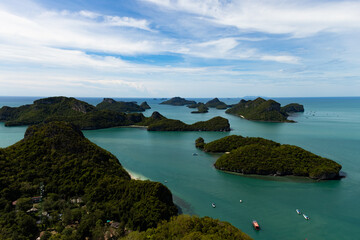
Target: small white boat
[165,181]
[306,217]
[298,211]
[240,201]
[213,205]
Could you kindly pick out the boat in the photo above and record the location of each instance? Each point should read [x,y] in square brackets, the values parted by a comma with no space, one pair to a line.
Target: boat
[306,217]
[213,205]
[240,201]
[298,211]
[195,154]
[256,225]
[165,181]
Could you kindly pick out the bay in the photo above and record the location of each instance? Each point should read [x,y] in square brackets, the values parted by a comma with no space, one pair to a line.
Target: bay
[329,127]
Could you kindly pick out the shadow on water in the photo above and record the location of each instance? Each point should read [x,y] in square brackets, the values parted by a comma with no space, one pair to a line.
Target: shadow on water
[183,206]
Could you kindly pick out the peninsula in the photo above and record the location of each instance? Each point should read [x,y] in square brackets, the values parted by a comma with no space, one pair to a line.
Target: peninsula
[56,183]
[249,155]
[88,117]
[264,110]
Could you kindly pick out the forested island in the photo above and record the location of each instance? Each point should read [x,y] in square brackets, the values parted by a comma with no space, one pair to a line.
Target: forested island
[119,106]
[264,110]
[249,155]
[202,108]
[57,184]
[88,117]
[216,103]
[178,101]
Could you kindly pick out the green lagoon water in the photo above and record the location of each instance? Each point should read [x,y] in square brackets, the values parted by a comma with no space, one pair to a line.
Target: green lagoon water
[329,127]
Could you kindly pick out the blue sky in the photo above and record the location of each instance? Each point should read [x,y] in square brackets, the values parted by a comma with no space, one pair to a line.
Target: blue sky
[203,48]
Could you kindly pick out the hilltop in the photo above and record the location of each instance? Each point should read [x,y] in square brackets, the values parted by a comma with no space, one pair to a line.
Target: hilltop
[262,110]
[249,155]
[216,103]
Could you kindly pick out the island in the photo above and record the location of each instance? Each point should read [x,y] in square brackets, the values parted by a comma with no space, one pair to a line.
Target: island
[261,110]
[195,105]
[119,106]
[145,105]
[217,124]
[216,103]
[249,155]
[292,108]
[57,184]
[178,101]
[88,117]
[202,108]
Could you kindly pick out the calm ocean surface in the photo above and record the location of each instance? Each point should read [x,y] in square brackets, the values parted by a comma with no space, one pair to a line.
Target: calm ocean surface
[329,127]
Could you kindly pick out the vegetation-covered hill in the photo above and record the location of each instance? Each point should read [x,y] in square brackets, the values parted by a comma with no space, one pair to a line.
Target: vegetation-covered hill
[178,101]
[186,227]
[264,157]
[259,110]
[216,103]
[87,116]
[214,124]
[82,186]
[145,105]
[119,106]
[292,107]
[202,108]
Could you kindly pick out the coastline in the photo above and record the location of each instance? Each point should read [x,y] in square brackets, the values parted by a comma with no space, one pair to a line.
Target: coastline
[136,176]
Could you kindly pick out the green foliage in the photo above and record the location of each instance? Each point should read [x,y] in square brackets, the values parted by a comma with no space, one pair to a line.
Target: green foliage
[199,143]
[214,124]
[107,114]
[249,155]
[112,105]
[292,107]
[187,227]
[226,144]
[145,105]
[201,109]
[178,101]
[259,110]
[216,103]
[71,167]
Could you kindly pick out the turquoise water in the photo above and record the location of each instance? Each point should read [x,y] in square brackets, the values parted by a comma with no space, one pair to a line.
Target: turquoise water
[329,127]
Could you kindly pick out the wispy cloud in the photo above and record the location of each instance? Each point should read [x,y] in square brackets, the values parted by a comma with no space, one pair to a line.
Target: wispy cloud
[296,17]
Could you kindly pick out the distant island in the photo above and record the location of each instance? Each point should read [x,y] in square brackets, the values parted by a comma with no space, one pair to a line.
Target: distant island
[216,103]
[264,110]
[88,117]
[57,184]
[119,106]
[249,155]
[145,105]
[178,101]
[202,108]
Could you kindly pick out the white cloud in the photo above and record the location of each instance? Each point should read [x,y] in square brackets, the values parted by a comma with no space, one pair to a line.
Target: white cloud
[127,22]
[296,17]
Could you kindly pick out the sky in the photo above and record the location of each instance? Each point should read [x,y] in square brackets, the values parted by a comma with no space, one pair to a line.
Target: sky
[166,48]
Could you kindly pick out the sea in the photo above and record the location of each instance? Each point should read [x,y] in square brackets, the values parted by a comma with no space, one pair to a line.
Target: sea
[329,127]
